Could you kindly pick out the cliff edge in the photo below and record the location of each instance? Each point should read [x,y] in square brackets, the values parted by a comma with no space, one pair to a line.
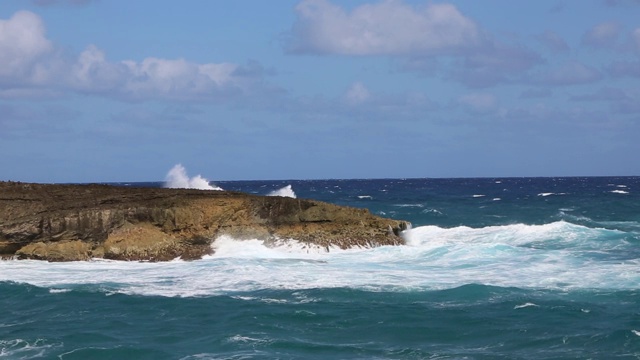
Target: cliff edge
[80,222]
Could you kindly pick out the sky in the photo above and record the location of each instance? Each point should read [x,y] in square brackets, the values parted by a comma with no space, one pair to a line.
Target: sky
[120,90]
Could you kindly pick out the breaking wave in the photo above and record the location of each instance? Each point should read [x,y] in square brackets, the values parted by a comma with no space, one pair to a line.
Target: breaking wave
[619,192]
[556,256]
[177,178]
[286,191]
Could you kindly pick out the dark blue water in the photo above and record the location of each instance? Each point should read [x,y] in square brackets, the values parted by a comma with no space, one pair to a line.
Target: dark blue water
[523,268]
[451,202]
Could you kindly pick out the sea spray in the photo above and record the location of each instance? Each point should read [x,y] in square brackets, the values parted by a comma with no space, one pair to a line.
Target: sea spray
[556,256]
[286,191]
[177,178]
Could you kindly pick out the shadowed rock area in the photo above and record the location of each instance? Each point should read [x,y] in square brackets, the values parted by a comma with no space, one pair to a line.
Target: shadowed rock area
[80,222]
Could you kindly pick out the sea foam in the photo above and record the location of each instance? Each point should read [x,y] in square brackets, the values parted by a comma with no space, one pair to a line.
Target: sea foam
[559,256]
[177,178]
[286,191]
[23,349]
[619,192]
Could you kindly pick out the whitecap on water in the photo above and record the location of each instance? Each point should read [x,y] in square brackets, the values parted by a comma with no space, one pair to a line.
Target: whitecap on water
[246,339]
[525,305]
[431,211]
[550,193]
[23,349]
[619,192]
[58,291]
[549,256]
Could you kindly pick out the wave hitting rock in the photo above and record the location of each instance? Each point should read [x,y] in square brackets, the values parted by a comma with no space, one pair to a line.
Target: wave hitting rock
[80,222]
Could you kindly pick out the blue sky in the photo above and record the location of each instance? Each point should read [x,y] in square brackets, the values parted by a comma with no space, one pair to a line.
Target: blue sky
[119,90]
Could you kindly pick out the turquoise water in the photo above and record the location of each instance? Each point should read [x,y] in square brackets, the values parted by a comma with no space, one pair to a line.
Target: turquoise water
[527,268]
[472,321]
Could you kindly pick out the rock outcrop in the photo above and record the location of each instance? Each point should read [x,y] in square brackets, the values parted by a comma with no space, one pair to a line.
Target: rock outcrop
[80,222]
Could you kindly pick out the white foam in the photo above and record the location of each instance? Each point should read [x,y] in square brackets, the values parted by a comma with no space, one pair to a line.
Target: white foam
[619,192]
[177,178]
[479,195]
[286,191]
[23,349]
[431,211]
[409,205]
[365,197]
[550,256]
[58,291]
[246,339]
[228,247]
[525,305]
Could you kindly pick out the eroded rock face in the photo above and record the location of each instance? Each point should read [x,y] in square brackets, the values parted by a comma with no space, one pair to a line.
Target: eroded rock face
[79,222]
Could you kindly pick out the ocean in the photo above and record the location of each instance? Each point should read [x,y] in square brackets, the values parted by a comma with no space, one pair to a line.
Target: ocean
[493,268]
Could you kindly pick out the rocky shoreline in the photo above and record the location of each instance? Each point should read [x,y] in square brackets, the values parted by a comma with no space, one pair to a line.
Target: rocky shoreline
[81,222]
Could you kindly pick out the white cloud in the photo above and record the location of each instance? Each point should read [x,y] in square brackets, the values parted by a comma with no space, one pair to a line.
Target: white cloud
[152,77]
[93,73]
[155,78]
[357,94]
[390,27]
[178,79]
[418,35]
[22,45]
[28,59]
[602,35]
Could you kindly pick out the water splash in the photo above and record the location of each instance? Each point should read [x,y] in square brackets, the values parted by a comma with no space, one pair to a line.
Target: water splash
[286,191]
[177,178]
[555,256]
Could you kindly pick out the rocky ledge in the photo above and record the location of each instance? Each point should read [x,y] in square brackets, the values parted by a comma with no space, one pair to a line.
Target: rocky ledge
[80,222]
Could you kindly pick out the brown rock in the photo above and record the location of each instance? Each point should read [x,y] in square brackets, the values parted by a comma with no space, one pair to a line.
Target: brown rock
[56,251]
[77,222]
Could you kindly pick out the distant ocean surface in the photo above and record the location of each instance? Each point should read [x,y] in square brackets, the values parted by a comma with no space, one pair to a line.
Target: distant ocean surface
[513,268]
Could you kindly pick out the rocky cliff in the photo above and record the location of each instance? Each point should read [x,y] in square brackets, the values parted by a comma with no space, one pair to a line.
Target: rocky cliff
[80,222]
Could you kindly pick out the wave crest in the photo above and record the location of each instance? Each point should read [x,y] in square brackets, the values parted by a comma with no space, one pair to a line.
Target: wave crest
[177,178]
[558,255]
[559,234]
[286,191]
